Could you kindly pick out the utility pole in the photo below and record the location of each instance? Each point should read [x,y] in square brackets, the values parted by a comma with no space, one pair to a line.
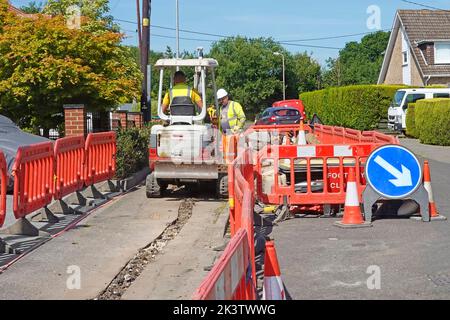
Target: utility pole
[138,13]
[178,28]
[145,49]
[284,73]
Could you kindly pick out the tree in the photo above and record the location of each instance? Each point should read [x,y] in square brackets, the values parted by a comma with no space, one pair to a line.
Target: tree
[32,7]
[4,14]
[44,65]
[249,70]
[358,63]
[96,10]
[303,74]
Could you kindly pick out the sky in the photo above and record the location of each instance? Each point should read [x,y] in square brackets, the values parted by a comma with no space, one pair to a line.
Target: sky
[283,20]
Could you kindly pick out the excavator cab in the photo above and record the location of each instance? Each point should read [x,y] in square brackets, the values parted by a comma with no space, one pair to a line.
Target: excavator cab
[186,151]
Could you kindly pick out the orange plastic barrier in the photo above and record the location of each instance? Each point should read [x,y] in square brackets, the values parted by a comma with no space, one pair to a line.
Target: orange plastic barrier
[378,137]
[100,157]
[229,279]
[309,175]
[339,135]
[33,172]
[242,183]
[3,185]
[244,199]
[69,154]
[234,275]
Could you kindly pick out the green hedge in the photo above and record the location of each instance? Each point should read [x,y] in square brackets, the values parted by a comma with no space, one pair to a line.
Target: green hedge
[432,121]
[360,107]
[411,120]
[132,151]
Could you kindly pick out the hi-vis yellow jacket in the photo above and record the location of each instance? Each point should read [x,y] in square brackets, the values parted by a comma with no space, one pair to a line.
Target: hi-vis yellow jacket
[234,120]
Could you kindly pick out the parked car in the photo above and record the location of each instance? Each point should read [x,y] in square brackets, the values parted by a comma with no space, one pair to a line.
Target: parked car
[293,103]
[280,115]
[11,138]
[399,106]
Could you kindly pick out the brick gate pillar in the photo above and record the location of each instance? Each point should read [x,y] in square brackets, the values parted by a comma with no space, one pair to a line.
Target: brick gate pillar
[75,119]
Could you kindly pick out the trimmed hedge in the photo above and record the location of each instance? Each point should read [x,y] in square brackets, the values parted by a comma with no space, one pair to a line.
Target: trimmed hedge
[359,107]
[411,120]
[432,121]
[132,151]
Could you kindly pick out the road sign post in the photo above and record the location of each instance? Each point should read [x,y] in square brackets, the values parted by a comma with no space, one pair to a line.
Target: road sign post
[393,172]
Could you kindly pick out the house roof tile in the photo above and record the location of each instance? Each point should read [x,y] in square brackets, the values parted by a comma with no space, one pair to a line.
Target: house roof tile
[426,25]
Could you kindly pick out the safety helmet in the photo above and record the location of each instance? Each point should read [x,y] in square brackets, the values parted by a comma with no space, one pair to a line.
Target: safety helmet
[221,93]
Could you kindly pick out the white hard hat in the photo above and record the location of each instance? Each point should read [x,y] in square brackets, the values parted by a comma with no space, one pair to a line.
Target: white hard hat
[221,93]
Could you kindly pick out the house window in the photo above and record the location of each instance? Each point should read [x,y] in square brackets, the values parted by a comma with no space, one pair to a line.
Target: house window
[405,57]
[442,53]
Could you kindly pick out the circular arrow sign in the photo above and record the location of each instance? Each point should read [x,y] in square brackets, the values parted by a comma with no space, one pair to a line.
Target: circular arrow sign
[393,171]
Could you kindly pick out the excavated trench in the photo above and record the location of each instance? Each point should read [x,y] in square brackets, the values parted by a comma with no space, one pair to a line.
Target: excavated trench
[133,269]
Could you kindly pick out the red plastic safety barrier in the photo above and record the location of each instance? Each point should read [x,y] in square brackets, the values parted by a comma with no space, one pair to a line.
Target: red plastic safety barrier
[242,182]
[33,172]
[378,137]
[100,157]
[234,275]
[339,135]
[3,185]
[309,175]
[244,199]
[69,154]
[229,279]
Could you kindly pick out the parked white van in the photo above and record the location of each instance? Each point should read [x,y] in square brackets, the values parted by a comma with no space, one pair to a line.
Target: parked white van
[403,97]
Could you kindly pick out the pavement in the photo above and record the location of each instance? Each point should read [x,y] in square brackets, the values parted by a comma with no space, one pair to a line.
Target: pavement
[177,272]
[98,247]
[320,261]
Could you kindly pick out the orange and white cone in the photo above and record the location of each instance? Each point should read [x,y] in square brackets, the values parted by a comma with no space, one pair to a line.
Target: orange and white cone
[434,214]
[352,210]
[273,285]
[301,139]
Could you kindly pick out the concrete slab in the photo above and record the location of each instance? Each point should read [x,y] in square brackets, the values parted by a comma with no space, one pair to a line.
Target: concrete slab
[99,246]
[9,218]
[176,273]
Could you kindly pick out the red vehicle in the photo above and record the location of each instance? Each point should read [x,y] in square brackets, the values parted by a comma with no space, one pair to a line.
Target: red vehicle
[294,103]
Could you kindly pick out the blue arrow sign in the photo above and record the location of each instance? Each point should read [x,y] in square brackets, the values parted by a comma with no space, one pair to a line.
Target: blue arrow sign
[393,171]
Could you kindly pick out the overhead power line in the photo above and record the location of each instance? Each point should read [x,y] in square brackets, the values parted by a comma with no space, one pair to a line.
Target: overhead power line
[336,37]
[214,40]
[181,30]
[307,45]
[169,37]
[281,41]
[422,5]
[181,38]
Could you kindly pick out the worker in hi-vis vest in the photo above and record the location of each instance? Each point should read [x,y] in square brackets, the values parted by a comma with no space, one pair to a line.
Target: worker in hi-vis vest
[232,116]
[181,93]
[231,122]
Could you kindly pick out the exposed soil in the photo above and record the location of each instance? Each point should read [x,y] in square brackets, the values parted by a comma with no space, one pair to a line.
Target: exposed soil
[136,265]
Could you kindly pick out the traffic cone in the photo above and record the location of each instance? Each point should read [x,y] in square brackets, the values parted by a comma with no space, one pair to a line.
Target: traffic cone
[301,139]
[434,214]
[352,210]
[273,285]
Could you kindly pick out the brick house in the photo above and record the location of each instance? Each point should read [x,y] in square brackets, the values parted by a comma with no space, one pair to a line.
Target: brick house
[18,12]
[418,51]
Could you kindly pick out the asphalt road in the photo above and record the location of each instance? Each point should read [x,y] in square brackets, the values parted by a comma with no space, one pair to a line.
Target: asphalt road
[321,261]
